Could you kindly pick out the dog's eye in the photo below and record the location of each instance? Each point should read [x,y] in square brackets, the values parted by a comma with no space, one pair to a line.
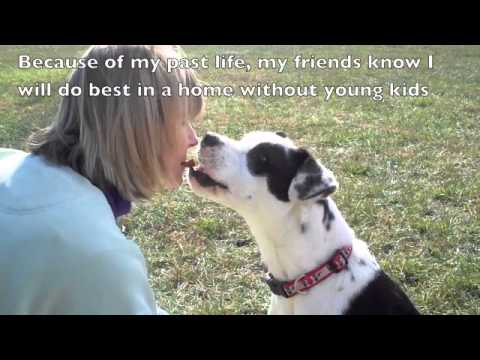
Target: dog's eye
[262,158]
[260,164]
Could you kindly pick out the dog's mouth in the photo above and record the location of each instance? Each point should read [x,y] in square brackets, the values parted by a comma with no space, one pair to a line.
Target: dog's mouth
[328,191]
[203,179]
[323,193]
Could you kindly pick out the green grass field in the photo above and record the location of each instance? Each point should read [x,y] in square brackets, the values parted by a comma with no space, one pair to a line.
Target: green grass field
[408,170]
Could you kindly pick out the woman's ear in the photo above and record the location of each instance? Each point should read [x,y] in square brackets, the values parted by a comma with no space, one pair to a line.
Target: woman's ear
[313,181]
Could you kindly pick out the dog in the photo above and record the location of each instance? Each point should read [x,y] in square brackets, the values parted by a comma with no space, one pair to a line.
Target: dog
[316,264]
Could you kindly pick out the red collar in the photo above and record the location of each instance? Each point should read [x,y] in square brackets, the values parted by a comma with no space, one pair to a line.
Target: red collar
[337,263]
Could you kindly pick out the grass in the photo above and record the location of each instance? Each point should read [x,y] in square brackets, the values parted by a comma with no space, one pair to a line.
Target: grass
[408,170]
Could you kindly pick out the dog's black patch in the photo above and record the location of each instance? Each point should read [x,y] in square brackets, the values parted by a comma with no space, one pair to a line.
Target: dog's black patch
[381,297]
[303,228]
[328,216]
[362,262]
[278,164]
[281,134]
[210,140]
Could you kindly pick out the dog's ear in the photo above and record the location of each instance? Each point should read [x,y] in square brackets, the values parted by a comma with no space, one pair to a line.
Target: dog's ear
[312,181]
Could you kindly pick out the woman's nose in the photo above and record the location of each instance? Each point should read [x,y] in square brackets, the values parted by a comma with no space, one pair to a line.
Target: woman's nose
[193,140]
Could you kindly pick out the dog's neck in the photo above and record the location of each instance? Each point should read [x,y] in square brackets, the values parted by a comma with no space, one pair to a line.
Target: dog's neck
[294,239]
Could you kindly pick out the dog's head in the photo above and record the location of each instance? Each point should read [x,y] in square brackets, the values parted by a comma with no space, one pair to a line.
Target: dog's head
[261,168]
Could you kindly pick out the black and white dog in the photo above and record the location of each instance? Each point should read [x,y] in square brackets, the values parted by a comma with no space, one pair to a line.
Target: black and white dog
[316,264]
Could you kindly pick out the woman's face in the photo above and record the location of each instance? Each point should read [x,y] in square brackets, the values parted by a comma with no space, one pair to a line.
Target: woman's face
[187,139]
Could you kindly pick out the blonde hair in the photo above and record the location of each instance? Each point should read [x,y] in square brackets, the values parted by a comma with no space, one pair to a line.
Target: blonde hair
[121,141]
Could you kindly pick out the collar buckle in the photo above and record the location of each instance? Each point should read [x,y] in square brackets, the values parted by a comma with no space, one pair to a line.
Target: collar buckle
[298,288]
[339,261]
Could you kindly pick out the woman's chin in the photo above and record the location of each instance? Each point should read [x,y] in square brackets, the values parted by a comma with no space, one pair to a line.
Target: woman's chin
[174,182]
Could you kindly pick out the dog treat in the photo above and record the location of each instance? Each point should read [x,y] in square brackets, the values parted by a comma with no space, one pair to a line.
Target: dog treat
[189,163]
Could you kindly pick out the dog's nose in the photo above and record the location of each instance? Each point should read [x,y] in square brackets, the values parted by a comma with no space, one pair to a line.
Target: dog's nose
[210,140]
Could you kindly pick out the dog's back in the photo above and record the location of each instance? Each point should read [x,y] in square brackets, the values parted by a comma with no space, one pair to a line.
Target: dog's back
[382,296]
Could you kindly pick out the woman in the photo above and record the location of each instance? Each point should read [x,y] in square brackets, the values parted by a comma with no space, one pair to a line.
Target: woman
[61,251]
